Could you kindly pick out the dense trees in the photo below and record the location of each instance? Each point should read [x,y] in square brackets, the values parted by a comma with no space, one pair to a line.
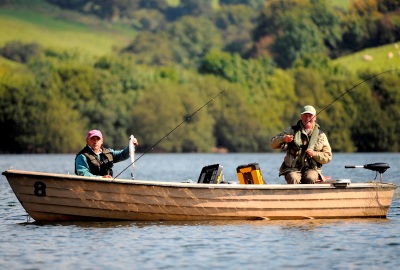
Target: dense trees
[286,30]
[48,104]
[183,42]
[292,29]
[36,118]
[272,61]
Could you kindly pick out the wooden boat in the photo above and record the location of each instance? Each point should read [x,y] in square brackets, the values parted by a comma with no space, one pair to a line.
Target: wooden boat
[60,197]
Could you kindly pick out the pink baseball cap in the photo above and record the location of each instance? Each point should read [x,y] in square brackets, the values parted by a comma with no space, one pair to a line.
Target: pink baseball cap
[93,133]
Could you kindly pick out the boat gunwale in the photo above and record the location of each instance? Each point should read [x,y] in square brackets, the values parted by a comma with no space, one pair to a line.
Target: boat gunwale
[235,186]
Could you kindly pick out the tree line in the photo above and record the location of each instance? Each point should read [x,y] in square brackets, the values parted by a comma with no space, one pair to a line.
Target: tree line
[48,104]
[50,99]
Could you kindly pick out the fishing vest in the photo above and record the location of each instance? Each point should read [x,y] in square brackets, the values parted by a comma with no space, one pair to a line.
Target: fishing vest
[98,167]
[301,142]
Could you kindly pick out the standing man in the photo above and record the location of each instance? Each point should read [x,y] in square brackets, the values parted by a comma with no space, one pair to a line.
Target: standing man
[307,149]
[95,160]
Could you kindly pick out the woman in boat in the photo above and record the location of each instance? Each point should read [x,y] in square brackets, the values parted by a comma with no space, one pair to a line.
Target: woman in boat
[95,160]
[307,149]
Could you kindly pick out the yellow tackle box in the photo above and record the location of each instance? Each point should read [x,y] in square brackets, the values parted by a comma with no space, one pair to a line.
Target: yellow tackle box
[250,174]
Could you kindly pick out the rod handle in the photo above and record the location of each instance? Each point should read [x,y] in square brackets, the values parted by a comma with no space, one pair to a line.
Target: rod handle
[354,166]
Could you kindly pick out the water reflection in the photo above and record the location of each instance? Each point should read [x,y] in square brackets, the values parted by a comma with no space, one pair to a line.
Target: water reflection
[288,224]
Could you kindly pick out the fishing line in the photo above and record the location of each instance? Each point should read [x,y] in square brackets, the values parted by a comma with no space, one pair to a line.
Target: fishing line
[355,86]
[166,135]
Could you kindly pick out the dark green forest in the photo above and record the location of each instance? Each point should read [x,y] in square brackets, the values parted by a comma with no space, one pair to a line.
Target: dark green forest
[272,57]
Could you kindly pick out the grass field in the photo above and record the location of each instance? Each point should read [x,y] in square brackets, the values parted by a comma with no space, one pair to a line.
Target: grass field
[344,4]
[379,59]
[62,31]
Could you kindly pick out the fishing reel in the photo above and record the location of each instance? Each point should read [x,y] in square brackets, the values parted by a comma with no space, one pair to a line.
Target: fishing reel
[379,167]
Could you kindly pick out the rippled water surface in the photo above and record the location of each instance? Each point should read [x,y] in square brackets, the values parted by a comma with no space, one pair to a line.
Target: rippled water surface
[305,244]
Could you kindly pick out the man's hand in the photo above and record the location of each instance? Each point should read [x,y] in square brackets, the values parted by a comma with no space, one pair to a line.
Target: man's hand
[287,138]
[310,152]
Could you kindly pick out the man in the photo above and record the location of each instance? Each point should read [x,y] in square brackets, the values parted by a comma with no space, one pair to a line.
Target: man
[307,149]
[95,160]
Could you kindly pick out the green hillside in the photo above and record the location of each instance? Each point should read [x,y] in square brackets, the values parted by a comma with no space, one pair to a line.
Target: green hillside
[340,3]
[380,58]
[57,29]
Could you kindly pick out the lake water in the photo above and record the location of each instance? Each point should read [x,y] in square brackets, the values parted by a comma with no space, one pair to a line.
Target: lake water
[305,244]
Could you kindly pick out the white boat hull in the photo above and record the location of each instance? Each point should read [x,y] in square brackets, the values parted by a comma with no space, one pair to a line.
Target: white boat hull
[58,197]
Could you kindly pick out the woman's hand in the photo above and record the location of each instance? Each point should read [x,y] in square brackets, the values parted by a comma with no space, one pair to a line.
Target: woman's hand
[135,142]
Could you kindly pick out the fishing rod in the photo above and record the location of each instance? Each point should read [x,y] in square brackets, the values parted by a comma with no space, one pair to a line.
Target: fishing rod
[339,97]
[166,135]
[355,86]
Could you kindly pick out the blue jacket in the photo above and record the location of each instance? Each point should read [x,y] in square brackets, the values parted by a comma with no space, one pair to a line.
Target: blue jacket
[82,167]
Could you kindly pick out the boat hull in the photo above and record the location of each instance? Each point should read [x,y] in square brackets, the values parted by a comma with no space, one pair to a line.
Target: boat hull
[58,197]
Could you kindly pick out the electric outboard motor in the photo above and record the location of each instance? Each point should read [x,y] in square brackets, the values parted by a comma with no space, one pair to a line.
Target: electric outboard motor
[379,167]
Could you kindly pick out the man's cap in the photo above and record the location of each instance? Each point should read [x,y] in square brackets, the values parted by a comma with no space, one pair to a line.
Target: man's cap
[93,133]
[308,109]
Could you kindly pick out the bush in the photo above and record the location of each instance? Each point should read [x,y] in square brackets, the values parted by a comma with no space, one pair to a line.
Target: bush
[19,52]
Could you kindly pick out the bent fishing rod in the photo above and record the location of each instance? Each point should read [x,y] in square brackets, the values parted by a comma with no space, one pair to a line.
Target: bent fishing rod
[355,86]
[175,128]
